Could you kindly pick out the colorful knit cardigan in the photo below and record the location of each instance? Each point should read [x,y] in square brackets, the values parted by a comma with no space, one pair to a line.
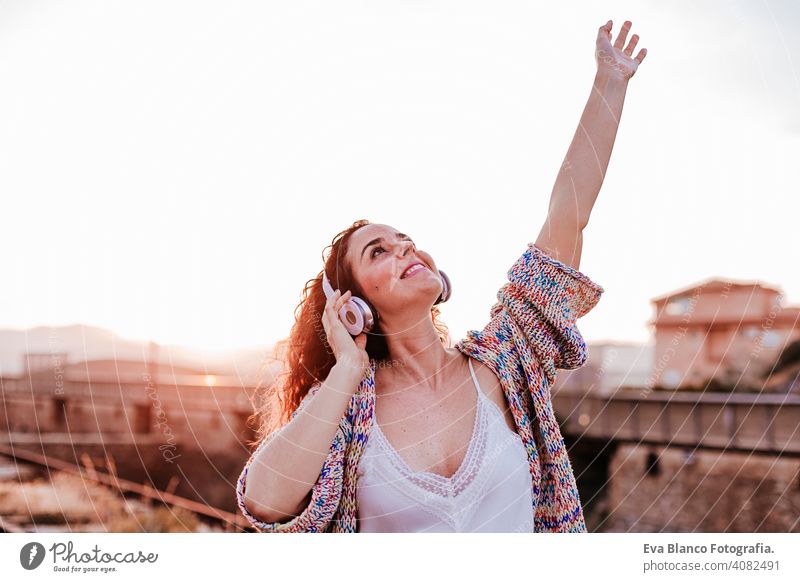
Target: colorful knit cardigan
[531,333]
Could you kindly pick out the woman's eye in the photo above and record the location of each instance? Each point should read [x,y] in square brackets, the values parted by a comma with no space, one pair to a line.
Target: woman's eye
[372,253]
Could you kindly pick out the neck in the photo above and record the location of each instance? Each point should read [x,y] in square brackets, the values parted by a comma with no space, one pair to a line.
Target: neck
[416,352]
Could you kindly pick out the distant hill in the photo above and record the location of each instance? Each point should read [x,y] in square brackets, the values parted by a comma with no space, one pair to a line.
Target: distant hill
[83,342]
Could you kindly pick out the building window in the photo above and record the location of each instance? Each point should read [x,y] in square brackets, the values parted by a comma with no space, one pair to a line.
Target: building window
[771,339]
[653,468]
[671,378]
[677,306]
[750,331]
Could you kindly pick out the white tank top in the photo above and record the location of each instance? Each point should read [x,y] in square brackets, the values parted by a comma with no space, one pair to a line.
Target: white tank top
[490,492]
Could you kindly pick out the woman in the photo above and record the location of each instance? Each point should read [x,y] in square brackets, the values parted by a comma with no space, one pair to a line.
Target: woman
[395,431]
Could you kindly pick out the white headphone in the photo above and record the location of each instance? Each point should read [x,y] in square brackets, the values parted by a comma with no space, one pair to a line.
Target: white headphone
[358,316]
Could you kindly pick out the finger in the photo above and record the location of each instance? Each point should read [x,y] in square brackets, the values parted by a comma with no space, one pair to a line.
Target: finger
[605,30]
[331,317]
[640,57]
[623,34]
[342,300]
[326,340]
[325,322]
[330,332]
[332,299]
[328,316]
[631,45]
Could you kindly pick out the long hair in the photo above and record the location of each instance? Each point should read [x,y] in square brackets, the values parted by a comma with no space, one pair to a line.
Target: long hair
[305,354]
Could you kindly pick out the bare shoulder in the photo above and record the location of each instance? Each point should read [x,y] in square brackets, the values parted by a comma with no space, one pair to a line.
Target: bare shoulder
[486,376]
[490,384]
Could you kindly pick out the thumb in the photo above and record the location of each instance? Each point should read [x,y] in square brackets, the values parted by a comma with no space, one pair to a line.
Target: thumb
[361,340]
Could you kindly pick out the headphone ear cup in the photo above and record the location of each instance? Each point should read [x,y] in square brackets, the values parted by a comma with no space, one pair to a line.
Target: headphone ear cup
[447,288]
[357,316]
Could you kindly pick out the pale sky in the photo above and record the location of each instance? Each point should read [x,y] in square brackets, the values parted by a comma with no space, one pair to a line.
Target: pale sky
[173,170]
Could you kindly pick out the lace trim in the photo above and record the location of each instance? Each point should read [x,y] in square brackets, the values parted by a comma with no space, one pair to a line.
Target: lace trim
[455,499]
[453,511]
[434,482]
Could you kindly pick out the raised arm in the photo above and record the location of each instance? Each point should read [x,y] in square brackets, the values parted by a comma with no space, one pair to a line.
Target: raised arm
[584,168]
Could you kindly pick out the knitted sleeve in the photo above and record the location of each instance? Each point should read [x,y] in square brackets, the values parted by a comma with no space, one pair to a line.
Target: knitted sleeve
[545,297]
[325,493]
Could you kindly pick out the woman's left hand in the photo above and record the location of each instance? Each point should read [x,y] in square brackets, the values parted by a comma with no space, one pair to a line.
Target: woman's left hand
[612,58]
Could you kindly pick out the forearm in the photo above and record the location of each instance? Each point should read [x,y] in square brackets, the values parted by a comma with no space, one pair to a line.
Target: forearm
[584,168]
[285,469]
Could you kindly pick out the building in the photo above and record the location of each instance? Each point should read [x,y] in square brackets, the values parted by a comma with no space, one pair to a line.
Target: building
[720,331]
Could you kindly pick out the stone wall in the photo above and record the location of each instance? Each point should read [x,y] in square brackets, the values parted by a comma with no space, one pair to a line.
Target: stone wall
[670,489]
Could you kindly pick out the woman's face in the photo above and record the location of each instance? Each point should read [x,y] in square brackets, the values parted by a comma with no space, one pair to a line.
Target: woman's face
[379,257]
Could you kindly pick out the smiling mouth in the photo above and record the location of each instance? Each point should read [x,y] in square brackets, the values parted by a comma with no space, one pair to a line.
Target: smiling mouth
[413,270]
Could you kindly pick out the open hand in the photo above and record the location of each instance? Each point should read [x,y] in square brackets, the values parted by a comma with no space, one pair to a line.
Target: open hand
[612,58]
[348,351]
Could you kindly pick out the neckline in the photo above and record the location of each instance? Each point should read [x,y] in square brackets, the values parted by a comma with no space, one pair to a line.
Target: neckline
[473,441]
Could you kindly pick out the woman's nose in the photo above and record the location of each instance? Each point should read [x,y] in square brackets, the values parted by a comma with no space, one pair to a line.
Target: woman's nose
[404,248]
